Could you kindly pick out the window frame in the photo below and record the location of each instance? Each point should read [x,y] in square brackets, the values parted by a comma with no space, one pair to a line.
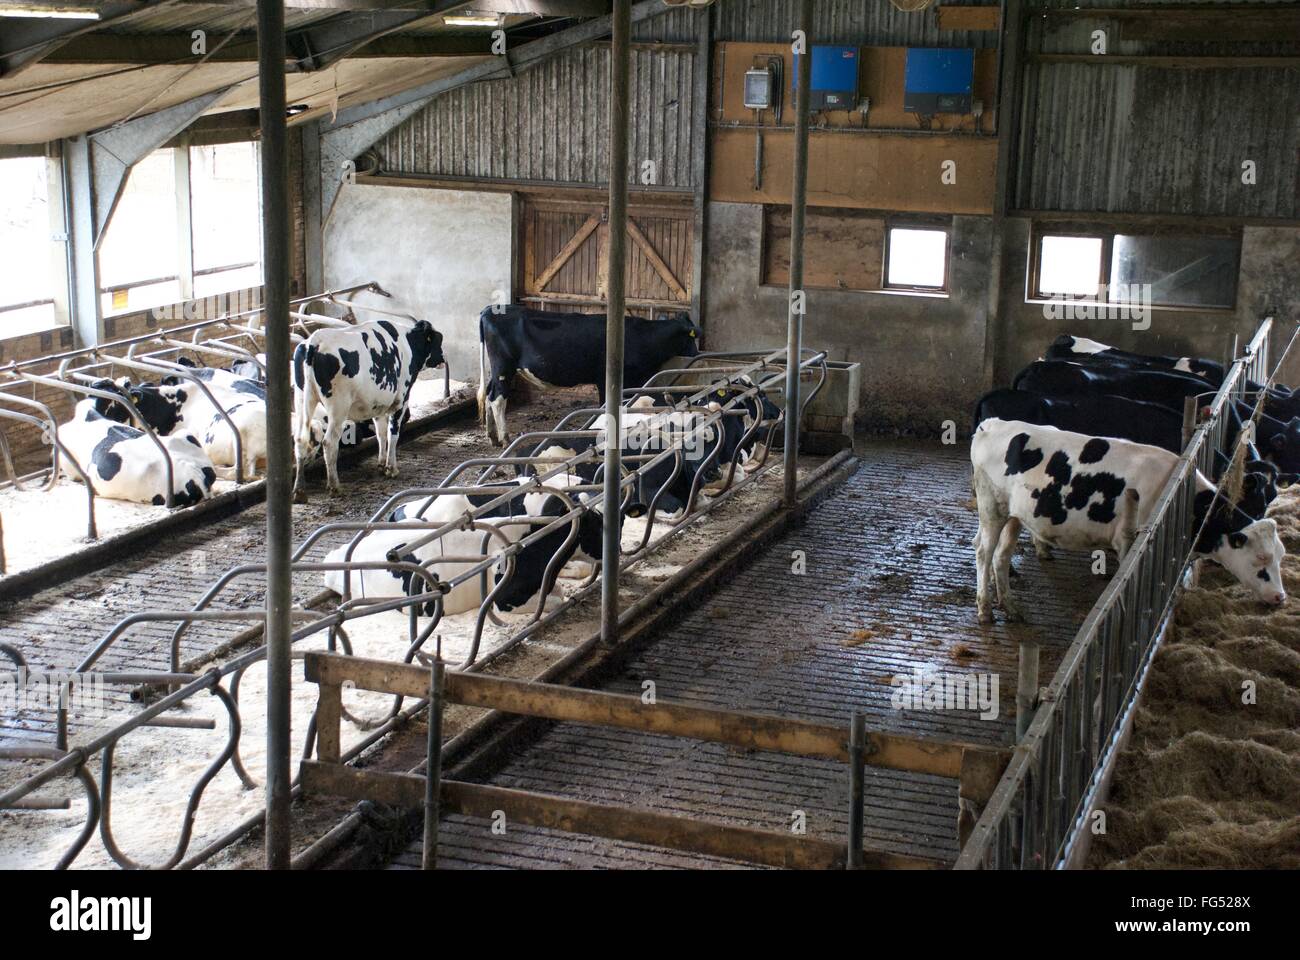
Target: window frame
[1107,235]
[916,223]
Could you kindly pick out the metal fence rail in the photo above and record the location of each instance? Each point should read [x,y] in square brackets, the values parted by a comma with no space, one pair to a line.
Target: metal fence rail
[1038,810]
[234,336]
[744,376]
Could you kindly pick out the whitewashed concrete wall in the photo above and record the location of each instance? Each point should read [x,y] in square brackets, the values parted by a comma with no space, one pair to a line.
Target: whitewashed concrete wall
[441,253]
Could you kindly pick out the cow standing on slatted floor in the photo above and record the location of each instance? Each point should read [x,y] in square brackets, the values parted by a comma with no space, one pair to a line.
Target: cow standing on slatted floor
[567,350]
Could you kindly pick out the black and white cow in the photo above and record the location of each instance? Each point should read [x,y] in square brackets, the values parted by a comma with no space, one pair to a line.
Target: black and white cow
[177,407]
[1103,415]
[566,350]
[1081,349]
[1083,493]
[364,372]
[549,553]
[123,463]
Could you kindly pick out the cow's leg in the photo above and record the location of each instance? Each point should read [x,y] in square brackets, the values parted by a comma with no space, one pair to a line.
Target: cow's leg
[992,520]
[380,425]
[394,434]
[333,434]
[1043,549]
[1002,567]
[497,432]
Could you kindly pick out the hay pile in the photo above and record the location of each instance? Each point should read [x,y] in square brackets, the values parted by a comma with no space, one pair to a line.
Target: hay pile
[1207,780]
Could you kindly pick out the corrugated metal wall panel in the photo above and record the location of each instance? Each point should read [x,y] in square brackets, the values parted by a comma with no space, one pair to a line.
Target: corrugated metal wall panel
[866,22]
[1137,139]
[679,25]
[550,122]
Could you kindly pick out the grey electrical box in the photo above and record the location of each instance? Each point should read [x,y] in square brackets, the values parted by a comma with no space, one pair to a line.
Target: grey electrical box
[758,88]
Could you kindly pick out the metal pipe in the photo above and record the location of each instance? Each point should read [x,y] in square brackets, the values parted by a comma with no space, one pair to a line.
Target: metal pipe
[620,67]
[797,304]
[279,591]
[857,776]
[433,767]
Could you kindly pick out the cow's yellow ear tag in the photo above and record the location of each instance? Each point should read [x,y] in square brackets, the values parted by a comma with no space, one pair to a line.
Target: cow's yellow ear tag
[692,333]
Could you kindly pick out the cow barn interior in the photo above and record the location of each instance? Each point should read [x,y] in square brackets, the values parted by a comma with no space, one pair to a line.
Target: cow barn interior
[949,350]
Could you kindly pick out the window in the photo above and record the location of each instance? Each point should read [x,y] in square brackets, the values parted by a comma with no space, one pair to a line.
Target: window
[226,218]
[1070,267]
[27,248]
[139,257]
[1162,269]
[142,259]
[918,258]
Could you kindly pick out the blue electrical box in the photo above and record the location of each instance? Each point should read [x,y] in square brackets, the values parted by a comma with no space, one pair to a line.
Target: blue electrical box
[834,78]
[938,80]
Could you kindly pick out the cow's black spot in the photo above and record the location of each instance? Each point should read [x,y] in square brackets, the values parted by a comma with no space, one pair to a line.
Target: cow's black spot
[299,356]
[325,367]
[1020,458]
[107,463]
[1051,503]
[192,494]
[1085,485]
[158,500]
[1094,450]
[1263,575]
[388,328]
[351,362]
[209,477]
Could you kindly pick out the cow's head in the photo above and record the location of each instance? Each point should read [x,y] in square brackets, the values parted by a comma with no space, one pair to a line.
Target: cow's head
[1252,552]
[111,408]
[1283,448]
[686,335]
[426,346]
[159,405]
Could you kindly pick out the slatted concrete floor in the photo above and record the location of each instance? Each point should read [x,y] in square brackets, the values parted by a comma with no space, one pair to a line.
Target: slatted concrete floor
[55,628]
[889,588]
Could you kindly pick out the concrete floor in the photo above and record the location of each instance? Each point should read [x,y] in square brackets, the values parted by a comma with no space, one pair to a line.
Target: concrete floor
[889,588]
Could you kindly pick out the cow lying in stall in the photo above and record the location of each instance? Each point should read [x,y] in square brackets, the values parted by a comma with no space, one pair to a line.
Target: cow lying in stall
[536,566]
[123,463]
[328,371]
[1082,493]
[175,406]
[566,350]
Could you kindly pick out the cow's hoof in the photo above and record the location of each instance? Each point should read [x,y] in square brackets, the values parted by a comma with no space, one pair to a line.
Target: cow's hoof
[299,496]
[985,617]
[1014,614]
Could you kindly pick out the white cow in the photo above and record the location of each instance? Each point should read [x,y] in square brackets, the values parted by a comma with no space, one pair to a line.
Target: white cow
[1083,493]
[123,463]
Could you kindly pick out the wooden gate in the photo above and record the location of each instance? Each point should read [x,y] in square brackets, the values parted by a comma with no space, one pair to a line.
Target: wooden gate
[565,261]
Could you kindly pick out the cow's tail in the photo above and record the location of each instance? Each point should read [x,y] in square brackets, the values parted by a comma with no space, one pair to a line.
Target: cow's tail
[482,376]
[305,394]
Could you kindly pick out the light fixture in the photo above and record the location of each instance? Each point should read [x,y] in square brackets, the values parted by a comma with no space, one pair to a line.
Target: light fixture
[472,19]
[49,13]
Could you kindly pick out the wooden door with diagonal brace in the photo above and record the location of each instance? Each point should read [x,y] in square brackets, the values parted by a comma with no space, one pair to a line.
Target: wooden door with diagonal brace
[565,257]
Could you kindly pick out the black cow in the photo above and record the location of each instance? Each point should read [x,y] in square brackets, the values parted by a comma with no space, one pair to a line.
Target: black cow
[567,350]
[1060,378]
[1083,350]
